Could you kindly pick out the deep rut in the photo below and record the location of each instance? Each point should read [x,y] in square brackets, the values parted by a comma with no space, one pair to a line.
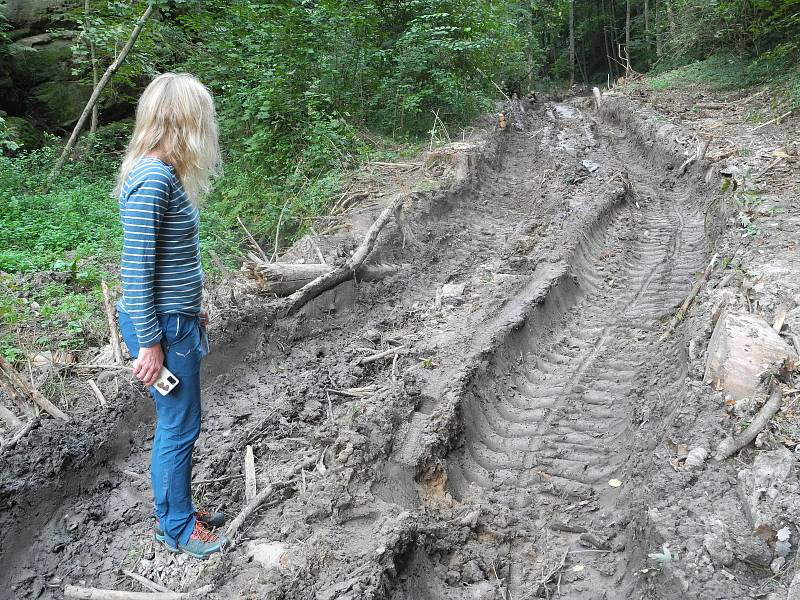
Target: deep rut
[549,431]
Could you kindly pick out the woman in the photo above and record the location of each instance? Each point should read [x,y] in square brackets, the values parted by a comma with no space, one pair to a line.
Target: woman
[172,154]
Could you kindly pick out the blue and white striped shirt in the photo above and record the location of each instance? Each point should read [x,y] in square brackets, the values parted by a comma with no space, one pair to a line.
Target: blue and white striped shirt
[161,272]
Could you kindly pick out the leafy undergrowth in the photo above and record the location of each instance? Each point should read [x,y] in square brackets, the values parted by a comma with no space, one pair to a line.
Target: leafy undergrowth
[57,247]
[727,72]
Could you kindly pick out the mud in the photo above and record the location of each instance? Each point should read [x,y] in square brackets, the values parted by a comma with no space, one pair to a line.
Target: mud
[520,449]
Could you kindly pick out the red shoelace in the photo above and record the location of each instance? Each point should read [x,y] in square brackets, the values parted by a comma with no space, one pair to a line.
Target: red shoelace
[202,533]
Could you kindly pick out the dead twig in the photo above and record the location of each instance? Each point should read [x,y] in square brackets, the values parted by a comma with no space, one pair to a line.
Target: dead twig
[687,303]
[249,474]
[775,120]
[365,360]
[116,346]
[97,393]
[84,593]
[278,231]
[252,241]
[757,425]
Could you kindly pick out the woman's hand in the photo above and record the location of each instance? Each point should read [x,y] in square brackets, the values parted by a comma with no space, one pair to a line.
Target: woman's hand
[147,367]
[204,319]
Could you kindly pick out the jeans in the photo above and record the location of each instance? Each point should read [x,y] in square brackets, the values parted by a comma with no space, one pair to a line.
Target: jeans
[177,421]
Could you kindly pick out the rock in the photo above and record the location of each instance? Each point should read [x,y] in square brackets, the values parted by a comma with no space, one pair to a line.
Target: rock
[60,102]
[794,587]
[451,294]
[777,564]
[782,548]
[760,487]
[741,347]
[25,12]
[471,572]
[719,549]
[270,555]
[44,57]
[21,132]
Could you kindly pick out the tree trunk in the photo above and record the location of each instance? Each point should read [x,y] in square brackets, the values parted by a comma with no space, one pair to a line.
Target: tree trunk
[627,37]
[96,94]
[571,42]
[93,57]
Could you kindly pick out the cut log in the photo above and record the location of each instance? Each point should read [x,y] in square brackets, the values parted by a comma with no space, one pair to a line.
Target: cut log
[741,348]
[330,280]
[15,385]
[283,279]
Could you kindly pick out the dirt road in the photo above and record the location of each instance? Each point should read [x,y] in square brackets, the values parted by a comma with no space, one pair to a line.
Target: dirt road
[514,448]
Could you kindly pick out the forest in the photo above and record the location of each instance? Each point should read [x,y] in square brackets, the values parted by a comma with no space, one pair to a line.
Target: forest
[307,90]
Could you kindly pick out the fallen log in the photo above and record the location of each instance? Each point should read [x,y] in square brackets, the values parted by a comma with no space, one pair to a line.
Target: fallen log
[15,385]
[283,279]
[330,280]
[757,425]
[84,593]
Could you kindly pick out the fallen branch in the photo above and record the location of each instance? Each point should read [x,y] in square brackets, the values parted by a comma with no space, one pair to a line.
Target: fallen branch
[365,360]
[82,593]
[219,479]
[775,120]
[112,324]
[699,154]
[252,506]
[687,303]
[15,385]
[330,280]
[283,279]
[731,446]
[97,393]
[261,497]
[98,89]
[151,585]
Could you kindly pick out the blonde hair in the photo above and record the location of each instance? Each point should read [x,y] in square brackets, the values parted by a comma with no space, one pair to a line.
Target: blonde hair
[176,119]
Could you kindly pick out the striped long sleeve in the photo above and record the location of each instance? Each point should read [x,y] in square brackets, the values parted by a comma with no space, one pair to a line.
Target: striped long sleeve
[147,200]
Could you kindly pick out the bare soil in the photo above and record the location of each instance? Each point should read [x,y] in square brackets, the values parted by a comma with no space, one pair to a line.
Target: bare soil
[527,444]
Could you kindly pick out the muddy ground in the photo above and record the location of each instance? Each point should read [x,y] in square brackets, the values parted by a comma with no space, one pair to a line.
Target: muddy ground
[528,440]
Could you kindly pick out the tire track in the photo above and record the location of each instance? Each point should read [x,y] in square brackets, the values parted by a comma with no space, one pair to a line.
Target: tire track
[553,428]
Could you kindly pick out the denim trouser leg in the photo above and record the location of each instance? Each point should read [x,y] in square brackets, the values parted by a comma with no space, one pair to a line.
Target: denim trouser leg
[177,423]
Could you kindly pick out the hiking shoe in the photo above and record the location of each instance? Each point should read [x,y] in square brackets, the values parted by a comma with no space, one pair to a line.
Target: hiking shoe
[215,519]
[203,542]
